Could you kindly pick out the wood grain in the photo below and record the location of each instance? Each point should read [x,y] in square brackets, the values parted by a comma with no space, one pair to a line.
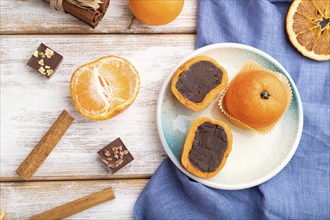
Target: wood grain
[36,17]
[30,103]
[25,199]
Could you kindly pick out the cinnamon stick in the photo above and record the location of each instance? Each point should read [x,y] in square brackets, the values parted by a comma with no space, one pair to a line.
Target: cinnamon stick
[45,146]
[104,6]
[89,16]
[76,206]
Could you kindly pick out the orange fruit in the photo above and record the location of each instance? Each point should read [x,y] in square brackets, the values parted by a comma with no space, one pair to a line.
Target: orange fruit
[3,215]
[156,12]
[256,98]
[308,28]
[103,88]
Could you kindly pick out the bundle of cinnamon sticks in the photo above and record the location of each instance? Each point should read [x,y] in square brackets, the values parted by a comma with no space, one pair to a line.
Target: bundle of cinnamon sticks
[91,16]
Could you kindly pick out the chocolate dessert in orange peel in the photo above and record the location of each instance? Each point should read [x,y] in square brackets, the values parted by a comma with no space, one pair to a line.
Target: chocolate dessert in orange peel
[198,82]
[103,88]
[207,147]
[308,27]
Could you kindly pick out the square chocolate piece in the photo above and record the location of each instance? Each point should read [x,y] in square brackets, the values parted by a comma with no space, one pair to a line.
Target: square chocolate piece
[115,155]
[45,60]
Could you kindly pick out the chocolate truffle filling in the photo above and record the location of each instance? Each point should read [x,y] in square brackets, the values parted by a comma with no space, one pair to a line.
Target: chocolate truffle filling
[195,82]
[209,146]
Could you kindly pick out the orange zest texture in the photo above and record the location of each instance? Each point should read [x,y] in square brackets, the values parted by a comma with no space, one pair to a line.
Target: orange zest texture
[103,88]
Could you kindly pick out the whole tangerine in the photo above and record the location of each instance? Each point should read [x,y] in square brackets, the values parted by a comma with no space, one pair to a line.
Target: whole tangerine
[256,98]
[156,12]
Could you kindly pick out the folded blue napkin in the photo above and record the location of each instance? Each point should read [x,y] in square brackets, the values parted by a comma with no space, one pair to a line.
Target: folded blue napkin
[302,189]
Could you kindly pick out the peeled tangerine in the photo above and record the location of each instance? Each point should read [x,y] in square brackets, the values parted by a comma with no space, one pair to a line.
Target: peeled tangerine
[105,87]
[256,98]
[207,147]
[198,82]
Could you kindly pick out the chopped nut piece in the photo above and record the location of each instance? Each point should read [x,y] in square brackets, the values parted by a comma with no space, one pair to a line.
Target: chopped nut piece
[41,70]
[49,51]
[125,152]
[119,162]
[107,153]
[106,162]
[42,54]
[35,53]
[47,67]
[41,62]
[49,72]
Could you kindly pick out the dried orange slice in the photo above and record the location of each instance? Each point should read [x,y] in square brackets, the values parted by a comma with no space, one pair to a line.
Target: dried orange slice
[103,88]
[308,27]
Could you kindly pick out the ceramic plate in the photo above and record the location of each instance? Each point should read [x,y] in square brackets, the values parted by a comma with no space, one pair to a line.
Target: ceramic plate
[254,158]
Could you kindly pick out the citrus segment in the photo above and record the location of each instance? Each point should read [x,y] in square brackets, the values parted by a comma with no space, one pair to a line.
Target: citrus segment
[308,27]
[103,88]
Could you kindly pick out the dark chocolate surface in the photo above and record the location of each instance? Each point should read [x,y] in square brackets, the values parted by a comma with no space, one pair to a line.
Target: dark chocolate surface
[198,80]
[53,62]
[209,146]
[115,155]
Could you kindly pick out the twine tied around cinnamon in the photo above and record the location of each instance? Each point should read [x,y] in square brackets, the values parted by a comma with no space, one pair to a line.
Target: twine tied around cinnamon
[89,11]
[57,4]
[85,4]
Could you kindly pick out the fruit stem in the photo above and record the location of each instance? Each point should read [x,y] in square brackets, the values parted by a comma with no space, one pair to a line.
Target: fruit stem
[265,95]
[131,23]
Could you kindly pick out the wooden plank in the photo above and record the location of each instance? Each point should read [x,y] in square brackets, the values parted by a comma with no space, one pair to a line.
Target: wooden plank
[30,103]
[36,17]
[22,200]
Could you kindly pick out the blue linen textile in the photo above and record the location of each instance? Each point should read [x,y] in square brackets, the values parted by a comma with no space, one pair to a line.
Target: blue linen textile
[301,189]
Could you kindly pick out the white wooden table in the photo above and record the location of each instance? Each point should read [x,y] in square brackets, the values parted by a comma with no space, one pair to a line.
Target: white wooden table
[30,104]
